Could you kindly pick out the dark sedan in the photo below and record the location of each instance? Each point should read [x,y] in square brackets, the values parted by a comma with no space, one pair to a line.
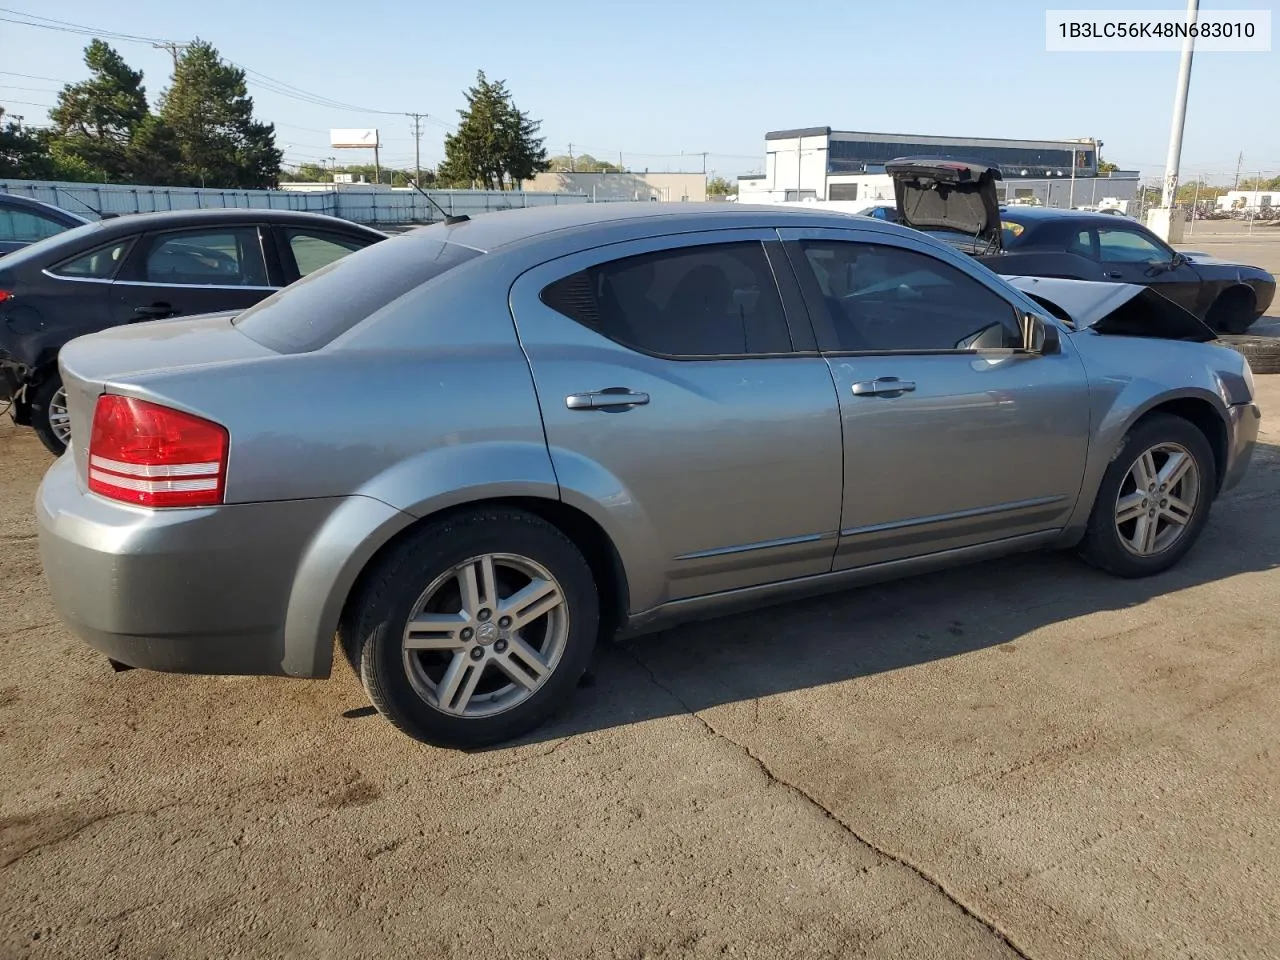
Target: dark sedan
[145,267]
[24,221]
[1045,242]
[957,200]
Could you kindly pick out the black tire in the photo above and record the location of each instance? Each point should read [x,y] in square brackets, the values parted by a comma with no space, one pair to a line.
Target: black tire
[1233,312]
[1263,353]
[373,630]
[1102,546]
[40,399]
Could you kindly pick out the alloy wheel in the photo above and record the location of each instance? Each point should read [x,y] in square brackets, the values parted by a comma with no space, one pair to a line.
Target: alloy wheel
[1157,499]
[485,635]
[59,416]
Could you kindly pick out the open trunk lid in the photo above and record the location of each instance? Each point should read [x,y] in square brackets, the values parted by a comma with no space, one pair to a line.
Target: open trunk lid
[949,196]
[121,357]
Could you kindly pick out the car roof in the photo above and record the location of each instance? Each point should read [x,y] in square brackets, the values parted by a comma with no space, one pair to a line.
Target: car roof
[164,219]
[1017,212]
[16,202]
[505,228]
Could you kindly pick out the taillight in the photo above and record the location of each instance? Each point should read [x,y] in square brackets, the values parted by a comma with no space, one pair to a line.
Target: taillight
[144,453]
[5,295]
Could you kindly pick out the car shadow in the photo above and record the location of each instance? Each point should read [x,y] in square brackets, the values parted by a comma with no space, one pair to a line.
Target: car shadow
[894,626]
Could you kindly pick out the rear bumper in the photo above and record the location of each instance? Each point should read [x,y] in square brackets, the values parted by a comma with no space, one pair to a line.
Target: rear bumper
[184,591]
[1242,438]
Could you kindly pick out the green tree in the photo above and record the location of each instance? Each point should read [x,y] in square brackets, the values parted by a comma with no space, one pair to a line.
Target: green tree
[94,120]
[586,163]
[718,186]
[154,156]
[1107,167]
[496,144]
[210,112]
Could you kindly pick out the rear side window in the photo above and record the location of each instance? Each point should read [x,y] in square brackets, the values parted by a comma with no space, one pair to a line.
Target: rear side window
[99,264]
[700,302]
[316,310]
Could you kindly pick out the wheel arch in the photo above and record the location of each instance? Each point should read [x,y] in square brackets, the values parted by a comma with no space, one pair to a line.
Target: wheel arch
[1204,415]
[587,535]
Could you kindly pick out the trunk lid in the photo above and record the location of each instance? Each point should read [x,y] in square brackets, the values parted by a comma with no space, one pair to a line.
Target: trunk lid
[112,358]
[957,197]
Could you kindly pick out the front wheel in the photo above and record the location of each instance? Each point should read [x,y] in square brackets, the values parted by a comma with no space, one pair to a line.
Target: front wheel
[49,416]
[1154,499]
[476,630]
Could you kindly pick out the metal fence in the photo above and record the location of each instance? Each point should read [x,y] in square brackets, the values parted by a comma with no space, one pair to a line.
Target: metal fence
[357,202]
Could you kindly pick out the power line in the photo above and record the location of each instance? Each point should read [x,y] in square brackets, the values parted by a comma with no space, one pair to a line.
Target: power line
[30,76]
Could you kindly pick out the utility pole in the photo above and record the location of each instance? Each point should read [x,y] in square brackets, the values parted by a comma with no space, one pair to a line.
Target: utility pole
[1179,111]
[571,158]
[417,145]
[1239,164]
[174,49]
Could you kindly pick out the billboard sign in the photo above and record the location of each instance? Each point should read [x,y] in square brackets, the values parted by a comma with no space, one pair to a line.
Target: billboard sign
[355,139]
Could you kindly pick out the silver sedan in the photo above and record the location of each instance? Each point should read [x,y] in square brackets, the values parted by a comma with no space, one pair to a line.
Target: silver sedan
[472,451]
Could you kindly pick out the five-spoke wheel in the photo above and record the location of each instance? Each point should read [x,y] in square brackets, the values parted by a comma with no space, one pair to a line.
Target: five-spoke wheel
[1154,498]
[475,628]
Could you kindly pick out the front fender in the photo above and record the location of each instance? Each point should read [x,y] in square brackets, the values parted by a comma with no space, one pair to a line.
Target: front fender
[1118,400]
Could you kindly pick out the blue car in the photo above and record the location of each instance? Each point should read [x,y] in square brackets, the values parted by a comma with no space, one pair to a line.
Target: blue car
[23,221]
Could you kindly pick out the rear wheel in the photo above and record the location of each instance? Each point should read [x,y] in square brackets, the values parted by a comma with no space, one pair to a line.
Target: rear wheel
[49,417]
[476,630]
[1154,499]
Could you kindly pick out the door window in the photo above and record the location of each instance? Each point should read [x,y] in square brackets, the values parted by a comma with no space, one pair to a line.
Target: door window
[716,300]
[99,264]
[23,226]
[889,299]
[1128,246]
[222,257]
[312,250]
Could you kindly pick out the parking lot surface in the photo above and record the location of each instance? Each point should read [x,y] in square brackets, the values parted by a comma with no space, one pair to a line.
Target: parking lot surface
[1024,758]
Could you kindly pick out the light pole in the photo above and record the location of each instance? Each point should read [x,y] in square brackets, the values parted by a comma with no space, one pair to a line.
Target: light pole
[1179,112]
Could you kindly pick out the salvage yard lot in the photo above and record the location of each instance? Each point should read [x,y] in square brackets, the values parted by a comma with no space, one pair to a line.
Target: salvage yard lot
[1022,758]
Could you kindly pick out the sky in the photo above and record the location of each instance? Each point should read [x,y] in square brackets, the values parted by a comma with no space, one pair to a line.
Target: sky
[663,81]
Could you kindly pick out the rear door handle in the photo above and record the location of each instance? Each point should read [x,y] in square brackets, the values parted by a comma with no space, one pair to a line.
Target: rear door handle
[155,310]
[1114,274]
[607,398]
[881,386]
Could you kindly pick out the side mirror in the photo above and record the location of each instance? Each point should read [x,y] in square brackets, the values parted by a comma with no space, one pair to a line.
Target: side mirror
[1040,337]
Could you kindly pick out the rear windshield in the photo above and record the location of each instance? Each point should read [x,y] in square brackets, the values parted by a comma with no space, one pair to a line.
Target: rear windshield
[316,310]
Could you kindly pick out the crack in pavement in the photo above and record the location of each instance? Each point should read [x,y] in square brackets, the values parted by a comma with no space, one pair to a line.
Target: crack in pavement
[920,872]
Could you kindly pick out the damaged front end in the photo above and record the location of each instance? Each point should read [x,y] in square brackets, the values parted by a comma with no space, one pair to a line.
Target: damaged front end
[1115,309]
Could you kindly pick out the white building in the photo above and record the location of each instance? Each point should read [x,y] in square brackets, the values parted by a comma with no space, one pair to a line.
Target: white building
[1255,200]
[819,163]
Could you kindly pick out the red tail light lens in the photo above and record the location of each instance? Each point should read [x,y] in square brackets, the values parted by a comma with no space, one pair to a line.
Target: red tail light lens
[144,453]
[5,295]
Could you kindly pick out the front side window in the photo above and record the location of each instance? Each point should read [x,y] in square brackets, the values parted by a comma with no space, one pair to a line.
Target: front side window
[889,299]
[717,300]
[221,257]
[312,250]
[1129,246]
[99,264]
[23,226]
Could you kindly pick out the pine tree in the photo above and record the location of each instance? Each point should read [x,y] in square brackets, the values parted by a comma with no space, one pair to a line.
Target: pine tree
[495,145]
[94,120]
[210,112]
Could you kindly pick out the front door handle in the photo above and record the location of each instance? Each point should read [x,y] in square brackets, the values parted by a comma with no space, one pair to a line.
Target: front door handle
[1114,274]
[605,399]
[881,386]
